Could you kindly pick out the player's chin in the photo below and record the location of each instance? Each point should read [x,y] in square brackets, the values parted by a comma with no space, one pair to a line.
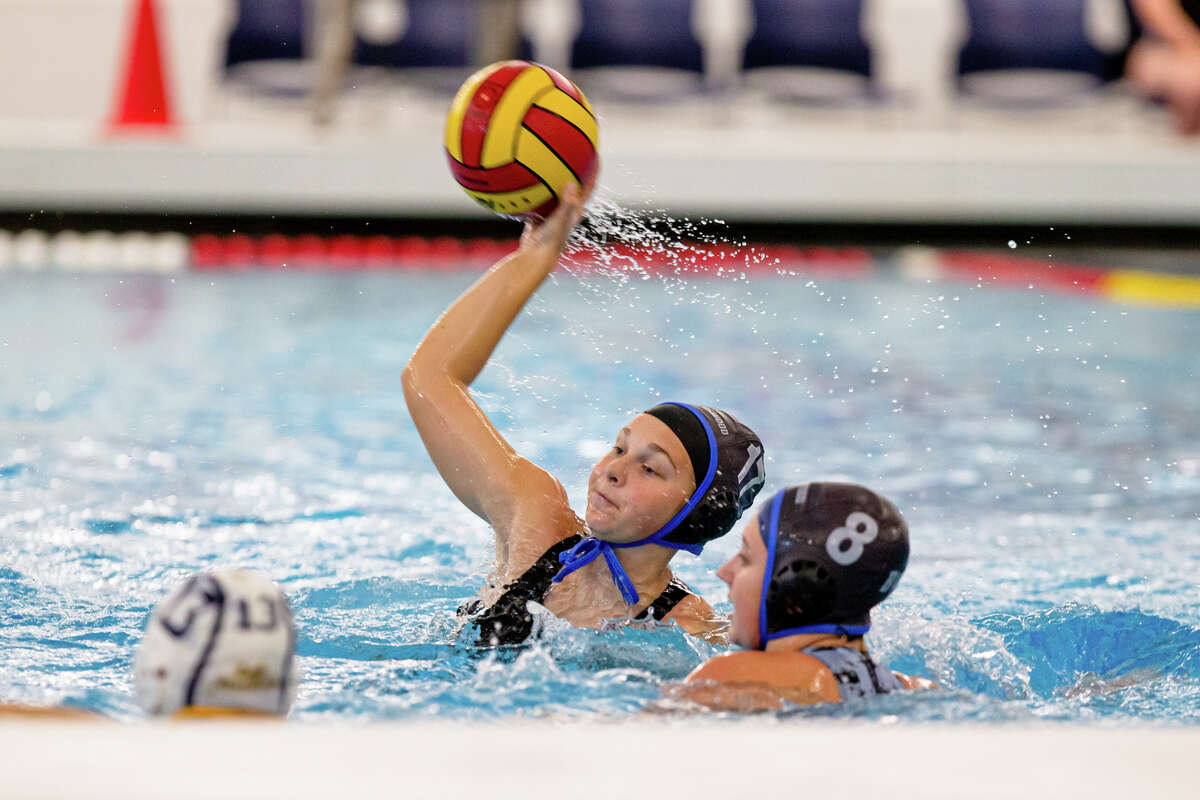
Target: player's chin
[598,522]
[736,635]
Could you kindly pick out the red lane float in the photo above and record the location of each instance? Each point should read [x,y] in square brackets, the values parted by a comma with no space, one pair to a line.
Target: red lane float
[442,254]
[1006,270]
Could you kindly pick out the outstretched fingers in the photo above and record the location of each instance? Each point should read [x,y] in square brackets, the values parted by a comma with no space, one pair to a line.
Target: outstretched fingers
[555,229]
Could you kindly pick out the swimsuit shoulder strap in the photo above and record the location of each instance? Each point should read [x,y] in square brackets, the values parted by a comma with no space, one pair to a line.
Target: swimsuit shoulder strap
[535,581]
[507,621]
[857,674]
[671,596]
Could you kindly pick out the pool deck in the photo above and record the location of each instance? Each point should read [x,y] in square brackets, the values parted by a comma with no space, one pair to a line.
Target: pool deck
[639,758]
[1108,164]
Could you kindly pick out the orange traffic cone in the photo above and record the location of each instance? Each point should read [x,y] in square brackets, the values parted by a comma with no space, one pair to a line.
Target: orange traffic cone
[143,104]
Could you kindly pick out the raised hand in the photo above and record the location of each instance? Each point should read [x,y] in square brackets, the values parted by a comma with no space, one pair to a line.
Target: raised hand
[553,231]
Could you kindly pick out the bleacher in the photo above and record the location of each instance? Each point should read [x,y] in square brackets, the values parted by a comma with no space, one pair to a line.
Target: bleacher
[948,111]
[1015,53]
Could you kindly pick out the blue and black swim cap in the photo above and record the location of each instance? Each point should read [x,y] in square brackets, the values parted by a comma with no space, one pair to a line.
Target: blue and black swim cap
[834,551]
[727,460]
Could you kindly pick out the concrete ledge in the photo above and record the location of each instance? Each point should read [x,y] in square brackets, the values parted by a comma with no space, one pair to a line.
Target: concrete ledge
[856,167]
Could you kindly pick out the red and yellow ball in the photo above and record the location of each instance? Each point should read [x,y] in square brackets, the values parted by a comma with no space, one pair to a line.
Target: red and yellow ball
[516,134]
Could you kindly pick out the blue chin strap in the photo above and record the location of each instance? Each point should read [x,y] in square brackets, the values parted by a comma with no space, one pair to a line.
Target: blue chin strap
[769,530]
[592,548]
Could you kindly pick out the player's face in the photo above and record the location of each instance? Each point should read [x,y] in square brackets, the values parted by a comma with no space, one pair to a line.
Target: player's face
[744,575]
[640,483]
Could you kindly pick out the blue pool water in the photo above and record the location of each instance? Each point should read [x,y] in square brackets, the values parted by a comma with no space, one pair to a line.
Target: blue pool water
[1045,449]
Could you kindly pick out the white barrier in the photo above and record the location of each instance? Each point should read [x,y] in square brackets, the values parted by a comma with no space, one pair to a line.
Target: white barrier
[687,758]
[63,58]
[1106,162]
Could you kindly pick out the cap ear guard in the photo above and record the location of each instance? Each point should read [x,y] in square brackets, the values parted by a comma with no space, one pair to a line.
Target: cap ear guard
[703,483]
[841,551]
[736,472]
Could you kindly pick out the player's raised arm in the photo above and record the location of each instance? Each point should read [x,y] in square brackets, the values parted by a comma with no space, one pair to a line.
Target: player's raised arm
[478,465]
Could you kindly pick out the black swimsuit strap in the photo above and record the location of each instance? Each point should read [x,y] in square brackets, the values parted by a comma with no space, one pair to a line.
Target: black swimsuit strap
[507,621]
[534,582]
[663,604]
[873,672]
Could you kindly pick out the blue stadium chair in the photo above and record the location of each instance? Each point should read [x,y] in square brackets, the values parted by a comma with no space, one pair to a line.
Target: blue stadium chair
[638,49]
[808,33]
[437,33]
[267,30]
[810,51]
[636,33]
[269,46]
[434,51]
[1033,52]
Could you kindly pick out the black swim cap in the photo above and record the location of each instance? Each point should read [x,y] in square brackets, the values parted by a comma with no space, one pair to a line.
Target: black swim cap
[727,460]
[834,551]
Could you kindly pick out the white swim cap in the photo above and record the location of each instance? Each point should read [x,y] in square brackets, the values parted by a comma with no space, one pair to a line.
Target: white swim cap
[221,639]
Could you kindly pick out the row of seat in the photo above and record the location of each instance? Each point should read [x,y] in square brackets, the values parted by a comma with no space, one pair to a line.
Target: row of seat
[713,42]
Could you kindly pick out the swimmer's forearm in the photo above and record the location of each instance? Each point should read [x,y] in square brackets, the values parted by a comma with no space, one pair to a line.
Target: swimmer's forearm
[462,340]
[476,462]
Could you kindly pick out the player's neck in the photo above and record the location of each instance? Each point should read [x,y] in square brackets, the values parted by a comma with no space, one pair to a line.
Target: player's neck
[803,641]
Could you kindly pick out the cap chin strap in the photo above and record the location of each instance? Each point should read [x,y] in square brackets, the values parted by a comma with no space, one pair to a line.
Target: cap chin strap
[591,548]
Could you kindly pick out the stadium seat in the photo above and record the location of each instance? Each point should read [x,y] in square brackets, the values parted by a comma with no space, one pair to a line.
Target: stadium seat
[635,49]
[809,51]
[1036,53]
[434,33]
[433,44]
[269,46]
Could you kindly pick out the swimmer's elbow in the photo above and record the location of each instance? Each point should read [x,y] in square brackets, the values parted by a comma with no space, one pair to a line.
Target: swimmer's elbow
[417,377]
[409,376]
[410,382]
[698,619]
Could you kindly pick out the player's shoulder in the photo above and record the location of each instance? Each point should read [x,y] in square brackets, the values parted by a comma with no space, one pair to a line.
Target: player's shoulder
[739,666]
[753,666]
[691,607]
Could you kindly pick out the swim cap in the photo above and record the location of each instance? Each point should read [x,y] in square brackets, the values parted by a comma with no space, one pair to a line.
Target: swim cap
[727,460]
[834,551]
[221,639]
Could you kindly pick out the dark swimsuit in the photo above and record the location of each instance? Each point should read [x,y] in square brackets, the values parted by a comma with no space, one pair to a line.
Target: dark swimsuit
[857,675]
[508,621]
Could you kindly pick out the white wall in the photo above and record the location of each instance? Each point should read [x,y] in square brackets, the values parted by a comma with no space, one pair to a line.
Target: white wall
[63,59]
[934,158]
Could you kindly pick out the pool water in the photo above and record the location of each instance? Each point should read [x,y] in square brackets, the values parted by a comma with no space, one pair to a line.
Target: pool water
[1045,449]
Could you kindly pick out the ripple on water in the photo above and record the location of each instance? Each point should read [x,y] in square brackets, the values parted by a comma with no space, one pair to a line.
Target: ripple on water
[1039,490]
[378,592]
[1064,643]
